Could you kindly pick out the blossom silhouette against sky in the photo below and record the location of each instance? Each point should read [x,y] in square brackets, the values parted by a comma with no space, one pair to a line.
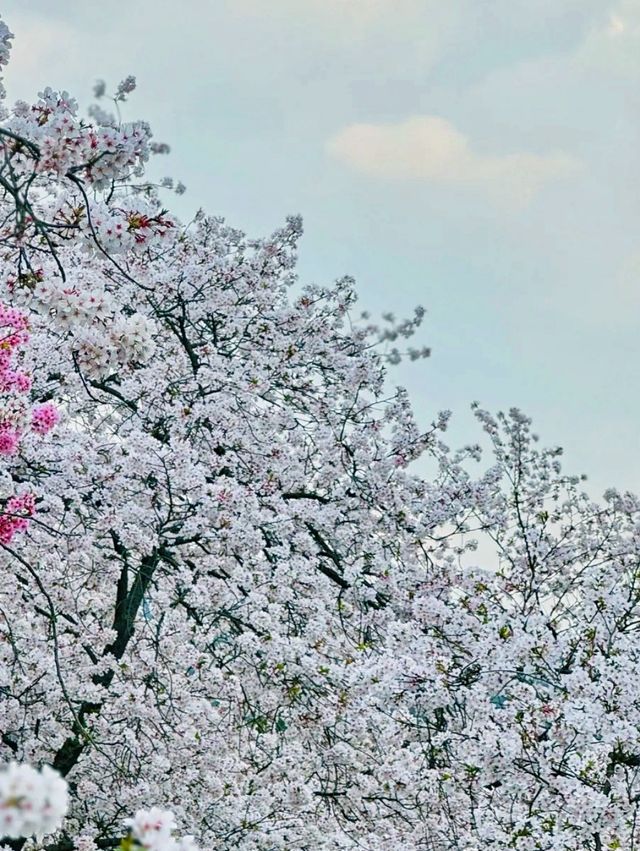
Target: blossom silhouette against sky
[478,158]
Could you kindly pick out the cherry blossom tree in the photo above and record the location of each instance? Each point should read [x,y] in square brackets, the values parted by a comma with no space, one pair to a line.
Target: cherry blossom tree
[225,592]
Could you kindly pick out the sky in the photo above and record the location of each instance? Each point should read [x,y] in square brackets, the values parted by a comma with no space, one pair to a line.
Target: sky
[477,157]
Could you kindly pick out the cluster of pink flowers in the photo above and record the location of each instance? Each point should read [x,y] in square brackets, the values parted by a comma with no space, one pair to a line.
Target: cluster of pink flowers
[14,414]
[44,417]
[9,440]
[15,517]
[13,334]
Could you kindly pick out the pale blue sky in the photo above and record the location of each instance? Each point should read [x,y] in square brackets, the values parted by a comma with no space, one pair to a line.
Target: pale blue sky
[477,156]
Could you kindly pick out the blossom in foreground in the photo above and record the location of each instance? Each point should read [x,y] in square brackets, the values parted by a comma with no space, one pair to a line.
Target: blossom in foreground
[32,803]
[35,803]
[154,830]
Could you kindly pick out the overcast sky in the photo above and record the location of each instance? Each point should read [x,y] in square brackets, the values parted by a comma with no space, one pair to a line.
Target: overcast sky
[479,157]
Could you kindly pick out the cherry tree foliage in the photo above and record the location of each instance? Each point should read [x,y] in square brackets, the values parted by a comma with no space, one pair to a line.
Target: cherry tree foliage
[228,604]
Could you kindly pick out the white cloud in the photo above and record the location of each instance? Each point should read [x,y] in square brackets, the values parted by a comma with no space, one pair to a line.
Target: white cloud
[616,26]
[613,47]
[430,149]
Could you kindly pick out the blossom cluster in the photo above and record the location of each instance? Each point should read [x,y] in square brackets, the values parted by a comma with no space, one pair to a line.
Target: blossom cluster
[44,417]
[120,230]
[17,415]
[66,145]
[15,516]
[32,803]
[154,830]
[103,338]
[13,335]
